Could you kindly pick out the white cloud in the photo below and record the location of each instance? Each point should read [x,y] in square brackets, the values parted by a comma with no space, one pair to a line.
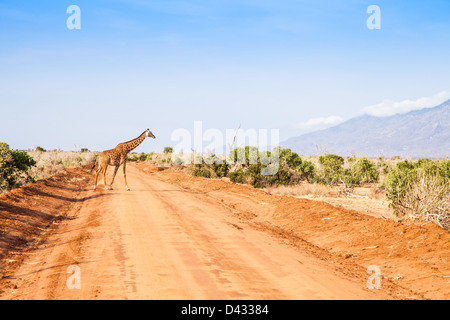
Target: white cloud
[383,109]
[319,123]
[389,108]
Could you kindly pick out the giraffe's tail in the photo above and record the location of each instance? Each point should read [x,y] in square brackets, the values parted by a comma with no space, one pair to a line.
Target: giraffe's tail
[95,163]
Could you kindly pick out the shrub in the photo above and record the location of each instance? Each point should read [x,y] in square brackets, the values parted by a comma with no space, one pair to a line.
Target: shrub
[420,190]
[220,169]
[383,166]
[178,161]
[142,156]
[444,170]
[255,178]
[210,167]
[149,157]
[425,197]
[247,166]
[307,171]
[400,177]
[332,167]
[137,157]
[168,150]
[132,157]
[14,167]
[200,171]
[249,163]
[364,171]
[292,168]
[244,156]
[237,176]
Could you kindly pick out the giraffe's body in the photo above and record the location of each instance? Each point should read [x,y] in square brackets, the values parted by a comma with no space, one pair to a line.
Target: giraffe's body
[117,157]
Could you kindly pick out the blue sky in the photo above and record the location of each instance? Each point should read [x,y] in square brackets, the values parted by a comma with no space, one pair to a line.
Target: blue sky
[162,64]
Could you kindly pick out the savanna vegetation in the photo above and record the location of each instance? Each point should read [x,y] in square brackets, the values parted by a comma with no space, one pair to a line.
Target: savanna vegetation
[418,189]
[14,167]
[20,167]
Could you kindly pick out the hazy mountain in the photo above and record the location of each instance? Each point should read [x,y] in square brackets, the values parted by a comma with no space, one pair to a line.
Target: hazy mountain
[421,133]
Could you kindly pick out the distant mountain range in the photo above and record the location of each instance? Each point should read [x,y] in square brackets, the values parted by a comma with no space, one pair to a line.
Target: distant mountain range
[422,133]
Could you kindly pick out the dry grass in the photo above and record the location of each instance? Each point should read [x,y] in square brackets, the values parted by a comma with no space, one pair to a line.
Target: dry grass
[369,200]
[427,199]
[51,162]
[317,190]
[302,189]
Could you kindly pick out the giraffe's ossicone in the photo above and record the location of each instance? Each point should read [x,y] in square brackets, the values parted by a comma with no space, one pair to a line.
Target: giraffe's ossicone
[117,157]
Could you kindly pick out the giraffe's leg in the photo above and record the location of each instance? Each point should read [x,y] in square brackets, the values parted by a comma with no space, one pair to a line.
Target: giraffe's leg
[125,174]
[114,175]
[96,176]
[104,177]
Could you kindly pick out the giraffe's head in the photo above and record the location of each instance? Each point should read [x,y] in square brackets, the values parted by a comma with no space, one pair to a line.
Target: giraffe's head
[149,134]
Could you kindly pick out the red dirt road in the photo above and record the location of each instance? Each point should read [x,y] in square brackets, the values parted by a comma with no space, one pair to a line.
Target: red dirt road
[179,237]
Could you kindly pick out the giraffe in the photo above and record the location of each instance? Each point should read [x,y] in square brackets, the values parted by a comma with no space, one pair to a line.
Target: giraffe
[116,157]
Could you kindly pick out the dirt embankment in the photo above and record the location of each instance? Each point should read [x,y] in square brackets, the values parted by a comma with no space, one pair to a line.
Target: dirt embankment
[29,212]
[411,256]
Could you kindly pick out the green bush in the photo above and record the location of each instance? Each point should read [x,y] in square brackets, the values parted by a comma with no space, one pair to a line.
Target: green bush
[404,174]
[332,168]
[138,157]
[14,166]
[200,171]
[307,170]
[149,157]
[291,168]
[221,170]
[420,190]
[332,171]
[132,157]
[210,167]
[244,156]
[248,166]
[364,171]
[248,163]
[382,165]
[444,170]
[168,150]
[142,156]
[237,176]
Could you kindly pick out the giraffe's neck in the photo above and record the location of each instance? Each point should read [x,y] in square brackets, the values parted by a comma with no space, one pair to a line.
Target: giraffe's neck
[131,145]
